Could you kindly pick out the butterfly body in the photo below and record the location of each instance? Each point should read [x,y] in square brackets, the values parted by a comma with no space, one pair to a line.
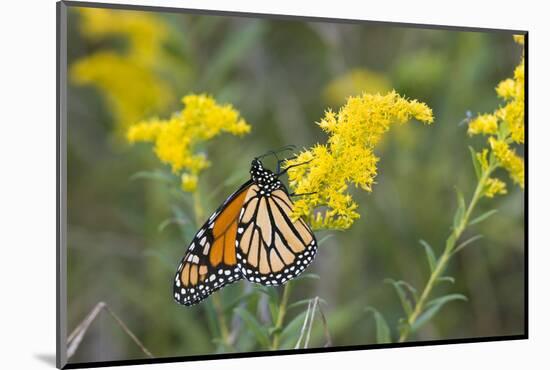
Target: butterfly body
[252,236]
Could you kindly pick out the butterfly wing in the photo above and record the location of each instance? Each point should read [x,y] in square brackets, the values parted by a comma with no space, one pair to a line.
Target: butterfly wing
[210,261]
[271,248]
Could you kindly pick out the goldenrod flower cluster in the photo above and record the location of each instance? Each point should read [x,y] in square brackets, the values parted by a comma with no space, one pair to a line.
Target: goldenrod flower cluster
[324,172]
[505,127]
[127,78]
[176,138]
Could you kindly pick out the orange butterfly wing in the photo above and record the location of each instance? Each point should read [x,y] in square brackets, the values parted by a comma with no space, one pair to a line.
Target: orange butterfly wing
[210,261]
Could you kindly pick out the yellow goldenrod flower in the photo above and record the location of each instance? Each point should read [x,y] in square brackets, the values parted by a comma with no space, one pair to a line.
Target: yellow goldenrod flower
[325,171]
[484,124]
[354,82]
[504,126]
[127,78]
[482,159]
[494,187]
[176,138]
[189,182]
[507,89]
[131,90]
[508,159]
[144,31]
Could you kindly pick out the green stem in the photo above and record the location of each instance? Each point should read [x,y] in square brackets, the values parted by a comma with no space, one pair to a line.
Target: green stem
[447,253]
[280,317]
[197,208]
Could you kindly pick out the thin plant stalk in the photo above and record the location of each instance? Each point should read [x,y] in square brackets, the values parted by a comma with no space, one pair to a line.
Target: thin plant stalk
[75,338]
[450,247]
[281,316]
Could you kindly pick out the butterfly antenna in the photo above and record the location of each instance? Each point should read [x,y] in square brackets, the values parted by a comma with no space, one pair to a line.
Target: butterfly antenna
[280,150]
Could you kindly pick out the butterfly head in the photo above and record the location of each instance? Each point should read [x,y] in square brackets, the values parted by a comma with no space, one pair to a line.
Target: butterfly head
[264,178]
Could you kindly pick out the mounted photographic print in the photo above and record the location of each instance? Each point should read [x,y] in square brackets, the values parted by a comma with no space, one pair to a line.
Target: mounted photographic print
[234,184]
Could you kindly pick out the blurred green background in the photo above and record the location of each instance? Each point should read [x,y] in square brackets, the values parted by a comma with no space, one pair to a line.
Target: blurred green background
[281,75]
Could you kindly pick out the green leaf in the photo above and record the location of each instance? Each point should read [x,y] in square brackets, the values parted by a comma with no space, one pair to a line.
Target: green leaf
[303,302]
[188,229]
[433,307]
[382,328]
[274,308]
[411,289]
[294,326]
[308,276]
[402,296]
[402,326]
[448,279]
[477,166]
[459,214]
[227,307]
[324,239]
[467,242]
[446,298]
[268,291]
[483,217]
[432,260]
[503,129]
[169,221]
[260,332]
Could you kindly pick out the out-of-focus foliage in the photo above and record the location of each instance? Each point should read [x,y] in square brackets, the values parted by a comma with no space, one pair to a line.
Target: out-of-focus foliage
[129,222]
[356,81]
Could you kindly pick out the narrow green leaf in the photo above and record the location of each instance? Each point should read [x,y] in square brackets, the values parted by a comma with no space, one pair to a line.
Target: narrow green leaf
[402,325]
[461,209]
[303,302]
[467,242]
[268,291]
[446,298]
[432,260]
[324,239]
[503,129]
[477,166]
[244,297]
[402,296]
[483,217]
[169,221]
[294,326]
[433,308]
[273,309]
[187,229]
[448,279]
[308,276]
[411,289]
[260,332]
[382,328]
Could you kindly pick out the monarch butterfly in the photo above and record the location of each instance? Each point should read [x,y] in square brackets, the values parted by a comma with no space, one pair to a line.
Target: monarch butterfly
[251,235]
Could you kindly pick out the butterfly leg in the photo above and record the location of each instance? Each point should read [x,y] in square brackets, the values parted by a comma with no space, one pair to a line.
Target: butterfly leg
[281,161]
[302,194]
[280,173]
